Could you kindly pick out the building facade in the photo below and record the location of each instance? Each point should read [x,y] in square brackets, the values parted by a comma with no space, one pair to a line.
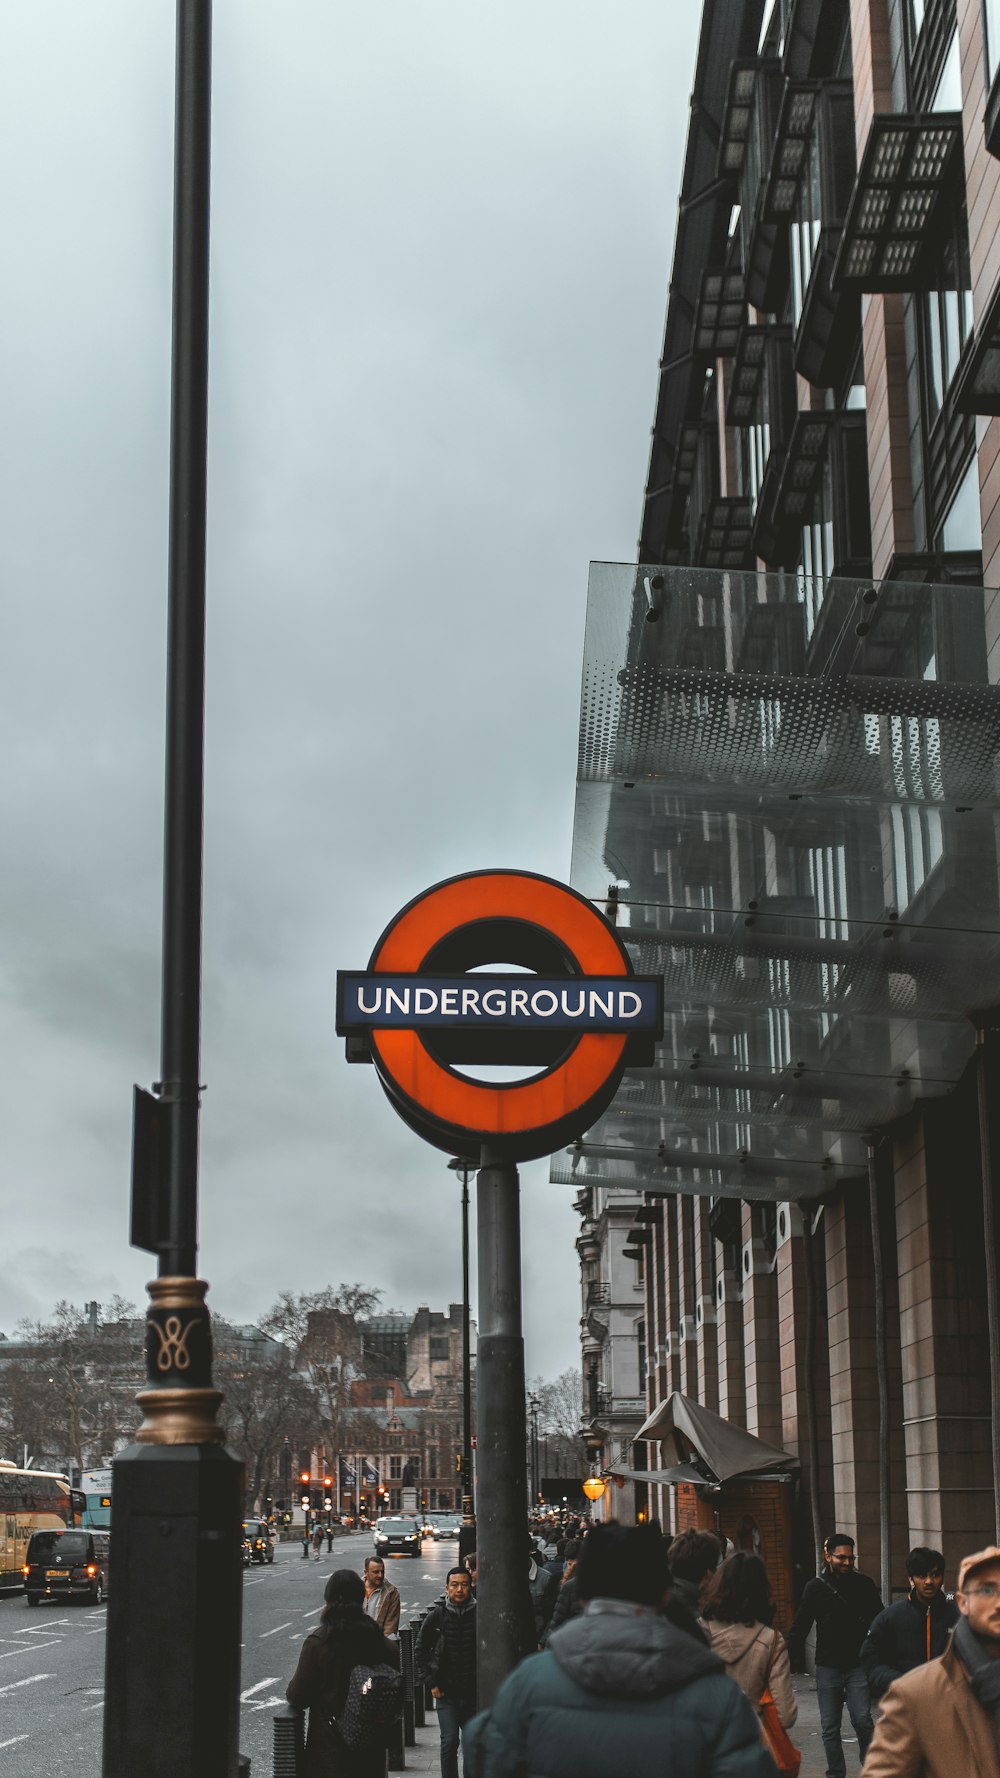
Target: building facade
[612,1325]
[401,1423]
[789,772]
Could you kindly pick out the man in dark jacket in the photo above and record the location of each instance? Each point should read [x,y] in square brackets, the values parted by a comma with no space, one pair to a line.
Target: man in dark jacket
[446,1661]
[568,1602]
[915,1629]
[543,1587]
[842,1604]
[619,1690]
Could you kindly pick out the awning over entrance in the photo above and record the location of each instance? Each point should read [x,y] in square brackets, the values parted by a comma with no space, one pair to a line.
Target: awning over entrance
[706,1447]
[788,797]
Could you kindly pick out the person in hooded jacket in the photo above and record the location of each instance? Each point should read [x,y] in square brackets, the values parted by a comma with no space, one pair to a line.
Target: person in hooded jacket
[738,1613]
[344,1638]
[620,1689]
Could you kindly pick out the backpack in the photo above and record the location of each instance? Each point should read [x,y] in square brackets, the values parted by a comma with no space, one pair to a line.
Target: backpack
[374,1701]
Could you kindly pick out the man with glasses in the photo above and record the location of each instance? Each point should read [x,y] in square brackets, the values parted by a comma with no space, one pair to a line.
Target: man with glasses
[943,1718]
[842,1604]
[914,1630]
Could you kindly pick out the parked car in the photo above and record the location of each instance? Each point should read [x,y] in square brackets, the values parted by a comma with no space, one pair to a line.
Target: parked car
[61,1564]
[259,1540]
[400,1534]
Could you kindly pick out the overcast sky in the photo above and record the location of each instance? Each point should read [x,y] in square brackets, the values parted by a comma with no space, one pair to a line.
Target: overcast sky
[441,241]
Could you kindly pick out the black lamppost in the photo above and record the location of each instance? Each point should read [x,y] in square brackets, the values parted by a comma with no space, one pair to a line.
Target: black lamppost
[533,1408]
[467,1535]
[172,1673]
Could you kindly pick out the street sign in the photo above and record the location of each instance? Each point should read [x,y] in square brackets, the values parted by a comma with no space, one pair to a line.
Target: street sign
[424,1009]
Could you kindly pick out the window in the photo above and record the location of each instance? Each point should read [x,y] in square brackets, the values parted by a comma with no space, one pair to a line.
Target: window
[947,319]
[962,526]
[395,1468]
[816,560]
[807,221]
[640,1341]
[432,1460]
[395,1500]
[991,32]
[948,92]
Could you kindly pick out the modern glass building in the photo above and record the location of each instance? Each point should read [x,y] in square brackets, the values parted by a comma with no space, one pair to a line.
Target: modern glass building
[789,785]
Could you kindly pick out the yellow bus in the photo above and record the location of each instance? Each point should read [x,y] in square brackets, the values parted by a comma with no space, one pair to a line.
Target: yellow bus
[31,1500]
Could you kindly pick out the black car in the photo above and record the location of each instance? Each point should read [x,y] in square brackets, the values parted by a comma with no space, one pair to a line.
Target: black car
[258,1541]
[402,1535]
[67,1564]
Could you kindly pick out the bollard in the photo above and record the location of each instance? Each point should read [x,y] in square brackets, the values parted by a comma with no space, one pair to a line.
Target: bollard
[419,1713]
[396,1750]
[289,1742]
[427,1693]
[406,1668]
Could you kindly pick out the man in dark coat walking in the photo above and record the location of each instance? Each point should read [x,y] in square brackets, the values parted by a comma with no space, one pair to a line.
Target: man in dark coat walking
[446,1661]
[914,1630]
[842,1604]
[619,1690]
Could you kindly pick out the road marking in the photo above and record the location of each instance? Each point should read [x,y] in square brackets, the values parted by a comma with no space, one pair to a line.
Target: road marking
[30,1648]
[254,1583]
[32,1679]
[46,1631]
[259,1687]
[313,1612]
[274,1632]
[266,1703]
[98,1706]
[13,1741]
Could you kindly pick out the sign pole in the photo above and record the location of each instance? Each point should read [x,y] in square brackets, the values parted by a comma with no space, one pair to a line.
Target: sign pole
[506,1630]
[175,1592]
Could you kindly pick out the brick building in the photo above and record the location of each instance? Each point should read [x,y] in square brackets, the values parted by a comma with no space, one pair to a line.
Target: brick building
[401,1424]
[788,779]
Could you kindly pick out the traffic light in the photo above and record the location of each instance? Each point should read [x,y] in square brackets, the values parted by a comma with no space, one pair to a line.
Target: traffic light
[305,1501]
[327,1484]
[304,1478]
[458,1462]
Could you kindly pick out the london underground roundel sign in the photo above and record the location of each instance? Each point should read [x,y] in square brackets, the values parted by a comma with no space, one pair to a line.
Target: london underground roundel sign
[423,1009]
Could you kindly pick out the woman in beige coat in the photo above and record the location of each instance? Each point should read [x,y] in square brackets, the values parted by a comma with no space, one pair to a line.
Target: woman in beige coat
[737,1612]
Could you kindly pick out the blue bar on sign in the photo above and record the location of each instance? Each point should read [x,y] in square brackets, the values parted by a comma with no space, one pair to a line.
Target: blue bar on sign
[498,1002]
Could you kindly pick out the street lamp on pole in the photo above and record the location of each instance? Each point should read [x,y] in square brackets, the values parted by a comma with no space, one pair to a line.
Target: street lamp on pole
[534,1406]
[466,1542]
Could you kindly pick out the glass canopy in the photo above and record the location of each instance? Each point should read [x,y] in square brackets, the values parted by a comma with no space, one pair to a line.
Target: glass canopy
[788,797]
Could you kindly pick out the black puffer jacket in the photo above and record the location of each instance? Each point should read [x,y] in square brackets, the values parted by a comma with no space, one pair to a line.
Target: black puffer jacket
[446,1649]
[898,1639]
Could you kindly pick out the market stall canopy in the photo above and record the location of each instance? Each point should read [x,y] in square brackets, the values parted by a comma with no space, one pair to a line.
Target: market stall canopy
[724,1450]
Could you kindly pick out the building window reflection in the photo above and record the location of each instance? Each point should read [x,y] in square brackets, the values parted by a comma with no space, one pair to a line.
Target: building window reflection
[991,24]
[807,220]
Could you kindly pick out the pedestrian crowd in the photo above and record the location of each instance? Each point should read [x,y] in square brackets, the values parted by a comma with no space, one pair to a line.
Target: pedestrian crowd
[649,1657]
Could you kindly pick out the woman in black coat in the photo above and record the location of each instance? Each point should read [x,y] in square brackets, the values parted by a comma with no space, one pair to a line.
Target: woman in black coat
[344,1637]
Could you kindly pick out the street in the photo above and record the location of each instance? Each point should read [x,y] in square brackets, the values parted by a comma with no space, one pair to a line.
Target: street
[52,1659]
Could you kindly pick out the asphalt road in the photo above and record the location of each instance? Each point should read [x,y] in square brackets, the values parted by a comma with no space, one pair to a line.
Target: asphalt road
[52,1658]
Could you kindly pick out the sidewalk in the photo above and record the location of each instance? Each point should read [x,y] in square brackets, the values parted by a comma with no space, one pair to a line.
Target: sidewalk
[426,1756]
[806,1733]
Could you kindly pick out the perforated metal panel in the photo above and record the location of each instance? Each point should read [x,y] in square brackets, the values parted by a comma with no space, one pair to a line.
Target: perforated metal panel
[794,787]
